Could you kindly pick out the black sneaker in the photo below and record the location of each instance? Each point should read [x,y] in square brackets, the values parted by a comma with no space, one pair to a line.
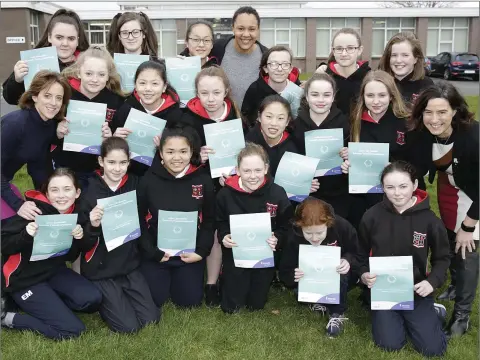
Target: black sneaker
[441,313]
[448,294]
[212,296]
[335,325]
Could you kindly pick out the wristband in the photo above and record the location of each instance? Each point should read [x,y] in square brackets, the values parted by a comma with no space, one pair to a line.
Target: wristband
[466,228]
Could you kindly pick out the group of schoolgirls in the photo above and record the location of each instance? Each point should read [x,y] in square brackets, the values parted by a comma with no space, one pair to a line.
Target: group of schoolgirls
[131,283]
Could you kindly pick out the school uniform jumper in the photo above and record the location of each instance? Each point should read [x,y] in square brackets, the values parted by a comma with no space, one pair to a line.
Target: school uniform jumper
[26,139]
[169,111]
[46,290]
[84,164]
[159,190]
[410,89]
[416,232]
[127,305]
[333,189]
[249,287]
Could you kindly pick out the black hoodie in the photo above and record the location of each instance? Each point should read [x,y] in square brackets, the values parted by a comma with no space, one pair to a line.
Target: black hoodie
[18,271]
[348,89]
[160,190]
[410,89]
[258,91]
[340,234]
[385,232]
[211,60]
[233,200]
[97,262]
[329,185]
[82,162]
[275,152]
[170,111]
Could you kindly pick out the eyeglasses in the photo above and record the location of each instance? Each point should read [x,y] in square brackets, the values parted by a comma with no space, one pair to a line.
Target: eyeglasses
[348,49]
[135,33]
[196,41]
[275,65]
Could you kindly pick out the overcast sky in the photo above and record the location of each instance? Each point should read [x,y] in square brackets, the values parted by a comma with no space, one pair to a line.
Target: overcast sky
[330,4]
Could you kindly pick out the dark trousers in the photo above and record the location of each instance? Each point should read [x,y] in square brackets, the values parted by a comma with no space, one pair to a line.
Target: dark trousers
[245,288]
[127,304]
[48,305]
[422,325]
[174,279]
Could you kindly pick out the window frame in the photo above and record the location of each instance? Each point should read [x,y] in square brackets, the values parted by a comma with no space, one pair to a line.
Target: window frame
[387,28]
[105,31]
[159,33]
[438,28]
[332,31]
[288,43]
[34,28]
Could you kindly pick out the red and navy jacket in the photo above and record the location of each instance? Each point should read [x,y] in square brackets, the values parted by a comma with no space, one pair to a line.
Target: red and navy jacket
[82,162]
[13,91]
[211,60]
[97,262]
[410,89]
[258,91]
[275,152]
[330,186]
[160,190]
[219,46]
[417,232]
[18,271]
[340,234]
[348,89]
[269,197]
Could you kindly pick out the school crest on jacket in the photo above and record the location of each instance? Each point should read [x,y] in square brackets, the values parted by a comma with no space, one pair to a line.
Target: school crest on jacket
[197,191]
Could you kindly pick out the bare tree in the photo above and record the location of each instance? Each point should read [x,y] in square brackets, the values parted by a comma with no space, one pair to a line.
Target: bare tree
[418,4]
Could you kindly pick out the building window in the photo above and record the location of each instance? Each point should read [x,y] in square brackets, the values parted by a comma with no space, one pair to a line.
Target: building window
[287,32]
[327,28]
[446,35]
[97,32]
[384,29]
[166,31]
[34,31]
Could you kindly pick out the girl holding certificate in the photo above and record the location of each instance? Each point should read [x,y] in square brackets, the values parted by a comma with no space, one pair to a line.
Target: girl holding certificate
[64,31]
[93,78]
[318,112]
[450,149]
[403,59]
[127,304]
[403,225]
[46,290]
[249,192]
[176,181]
[153,95]
[132,33]
[316,224]
[276,71]
[26,137]
[199,42]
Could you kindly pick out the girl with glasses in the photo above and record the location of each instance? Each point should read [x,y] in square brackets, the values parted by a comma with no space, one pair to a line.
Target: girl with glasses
[132,33]
[199,42]
[276,71]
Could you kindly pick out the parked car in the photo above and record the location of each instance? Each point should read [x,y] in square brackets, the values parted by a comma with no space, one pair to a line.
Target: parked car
[454,64]
[427,66]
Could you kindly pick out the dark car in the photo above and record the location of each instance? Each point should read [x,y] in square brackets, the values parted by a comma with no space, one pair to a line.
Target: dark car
[427,66]
[454,64]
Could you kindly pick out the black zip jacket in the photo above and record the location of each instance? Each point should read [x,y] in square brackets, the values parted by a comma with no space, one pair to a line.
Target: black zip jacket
[97,262]
[276,152]
[348,89]
[18,271]
[211,60]
[159,190]
[82,162]
[340,234]
[218,50]
[385,232]
[233,200]
[410,89]
[329,185]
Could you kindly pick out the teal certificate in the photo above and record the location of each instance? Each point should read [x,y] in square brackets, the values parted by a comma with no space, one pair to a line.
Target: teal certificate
[293,93]
[393,289]
[39,59]
[85,126]
[251,232]
[54,236]
[325,145]
[226,138]
[295,174]
[321,281]
[181,75]
[127,65]
[120,219]
[177,232]
[144,127]
[367,161]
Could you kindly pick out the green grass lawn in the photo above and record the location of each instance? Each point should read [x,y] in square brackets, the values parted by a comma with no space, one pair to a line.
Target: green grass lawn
[283,330]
